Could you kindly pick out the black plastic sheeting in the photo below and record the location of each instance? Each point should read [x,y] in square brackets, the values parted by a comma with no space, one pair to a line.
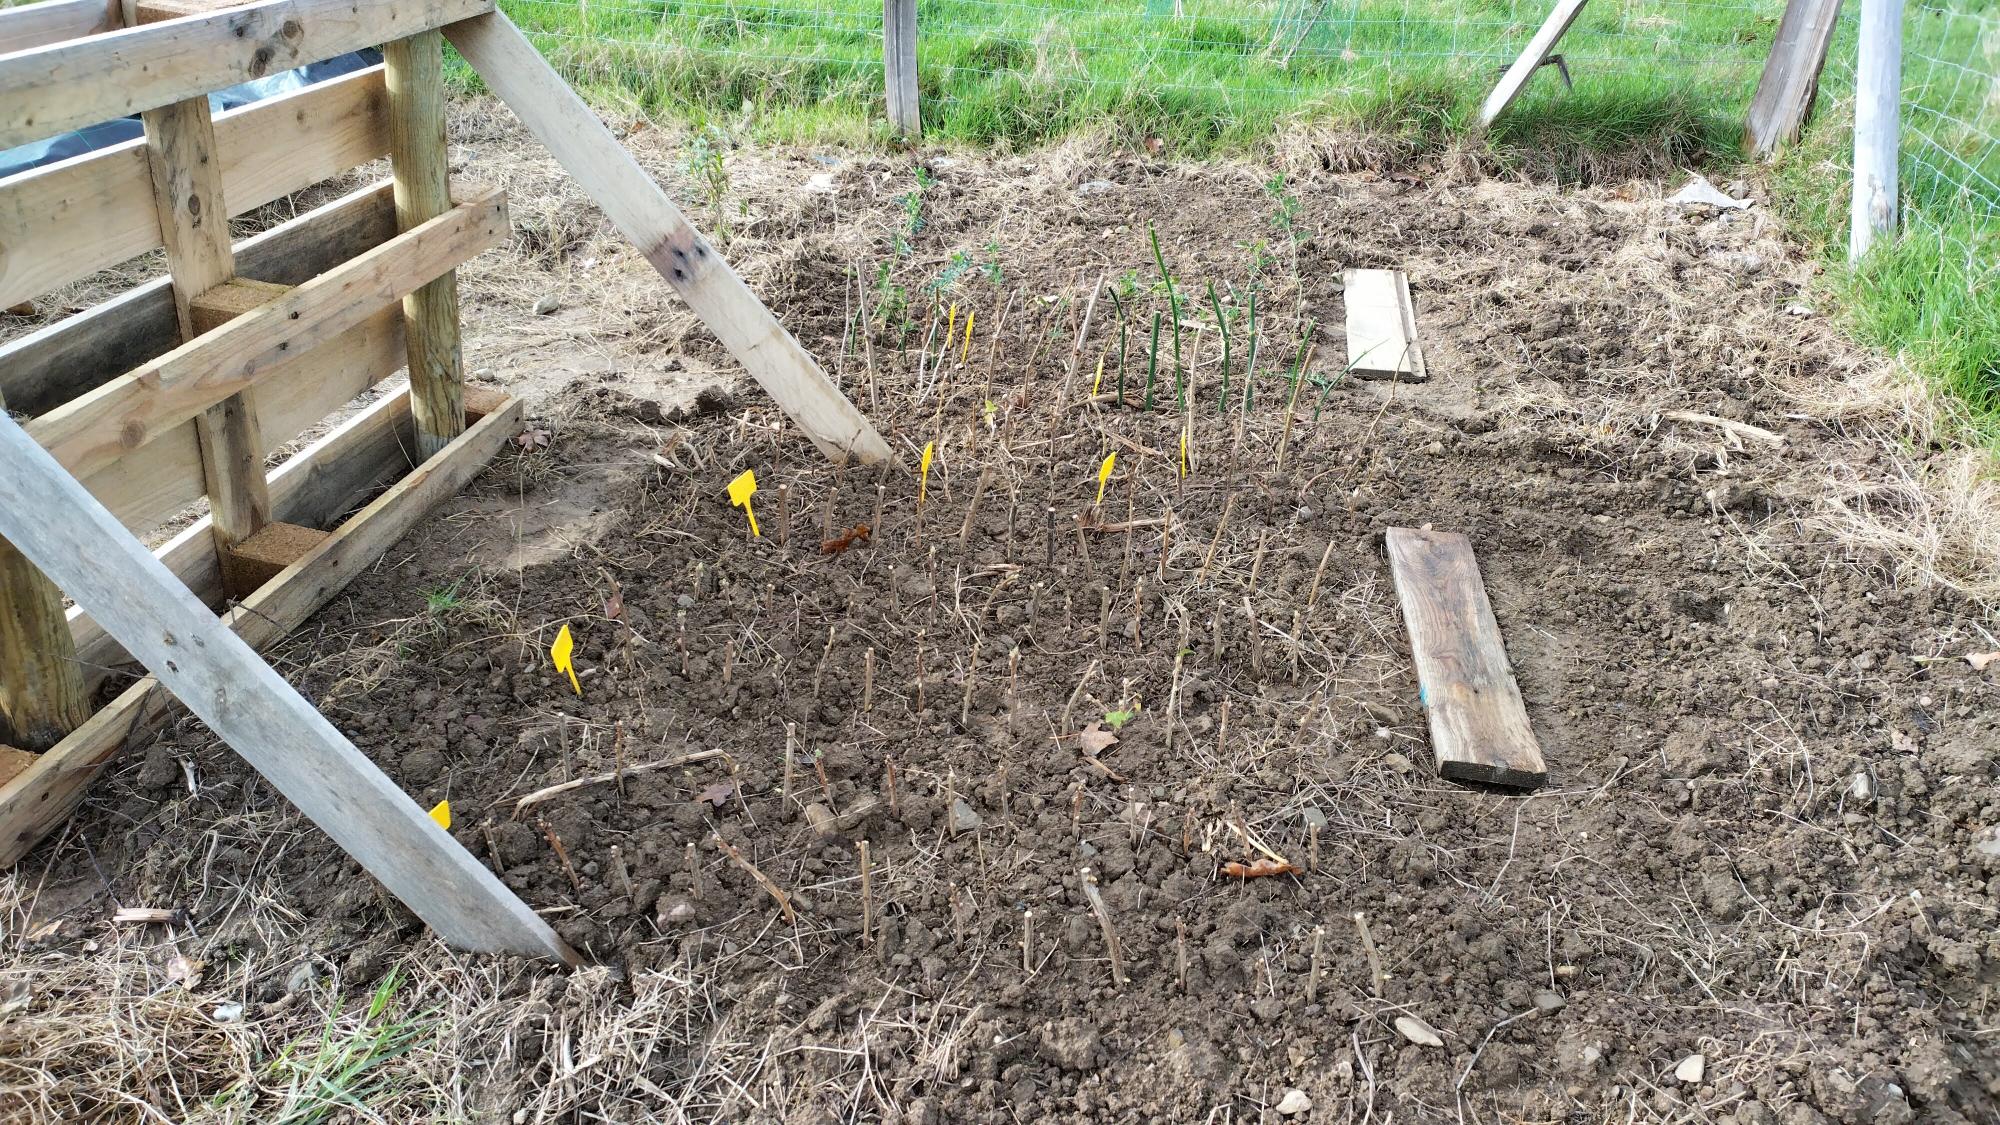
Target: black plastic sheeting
[109,133]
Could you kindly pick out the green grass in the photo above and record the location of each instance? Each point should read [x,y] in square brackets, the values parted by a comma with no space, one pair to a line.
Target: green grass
[1659,86]
[343,1071]
[1223,79]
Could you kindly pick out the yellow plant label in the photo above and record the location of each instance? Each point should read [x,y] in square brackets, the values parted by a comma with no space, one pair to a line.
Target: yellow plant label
[950,328]
[441,812]
[1099,381]
[970,316]
[1104,474]
[924,471]
[560,653]
[740,491]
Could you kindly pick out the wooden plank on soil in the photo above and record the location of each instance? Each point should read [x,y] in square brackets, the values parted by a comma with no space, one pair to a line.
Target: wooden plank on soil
[1382,327]
[230,688]
[1786,92]
[50,366]
[1516,79]
[62,86]
[517,74]
[89,433]
[1479,729]
[72,218]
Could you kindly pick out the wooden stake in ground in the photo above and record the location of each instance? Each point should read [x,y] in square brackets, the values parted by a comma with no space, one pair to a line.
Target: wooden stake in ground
[867,896]
[1517,76]
[1790,84]
[1479,729]
[1103,912]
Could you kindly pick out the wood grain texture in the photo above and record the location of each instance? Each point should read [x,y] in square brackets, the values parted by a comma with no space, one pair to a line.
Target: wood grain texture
[70,219]
[218,676]
[516,73]
[42,692]
[52,21]
[1517,77]
[1790,84]
[899,66]
[422,168]
[316,487]
[194,229]
[50,366]
[1382,326]
[93,431]
[1479,729]
[52,89]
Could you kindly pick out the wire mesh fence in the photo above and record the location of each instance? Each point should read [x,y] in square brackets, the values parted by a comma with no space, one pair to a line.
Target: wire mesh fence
[1019,69]
[1950,144]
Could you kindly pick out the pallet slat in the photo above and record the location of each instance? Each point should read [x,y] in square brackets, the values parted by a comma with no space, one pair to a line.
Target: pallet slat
[55,88]
[1479,728]
[52,21]
[70,219]
[50,366]
[94,431]
[1790,82]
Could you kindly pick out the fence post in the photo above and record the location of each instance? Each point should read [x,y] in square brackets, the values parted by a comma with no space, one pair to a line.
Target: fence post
[1878,89]
[899,65]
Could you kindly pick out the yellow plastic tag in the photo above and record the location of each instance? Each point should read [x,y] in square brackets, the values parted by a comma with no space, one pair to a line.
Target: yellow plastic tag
[560,653]
[967,346]
[441,813]
[924,472]
[1099,381]
[950,327]
[740,491]
[1104,474]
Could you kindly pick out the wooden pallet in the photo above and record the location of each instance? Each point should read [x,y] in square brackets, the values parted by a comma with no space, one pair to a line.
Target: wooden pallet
[176,391]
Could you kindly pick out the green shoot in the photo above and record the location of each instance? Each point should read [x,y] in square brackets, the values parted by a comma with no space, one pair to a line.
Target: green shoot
[1250,374]
[1222,326]
[1152,360]
[1118,304]
[1173,306]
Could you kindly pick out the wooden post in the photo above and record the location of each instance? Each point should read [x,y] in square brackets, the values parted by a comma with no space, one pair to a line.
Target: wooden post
[1516,78]
[1878,97]
[414,70]
[1786,92]
[41,688]
[61,528]
[899,65]
[194,228]
[519,76]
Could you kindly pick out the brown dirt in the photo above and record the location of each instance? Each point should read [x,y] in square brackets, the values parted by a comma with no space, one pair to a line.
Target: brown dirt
[1709,667]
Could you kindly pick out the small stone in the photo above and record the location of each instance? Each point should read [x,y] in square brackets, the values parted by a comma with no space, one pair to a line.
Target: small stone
[820,182]
[1397,762]
[1547,1001]
[1862,786]
[674,910]
[1691,1070]
[1798,310]
[546,304]
[1314,818]
[1294,1103]
[821,819]
[1418,1032]
[963,817]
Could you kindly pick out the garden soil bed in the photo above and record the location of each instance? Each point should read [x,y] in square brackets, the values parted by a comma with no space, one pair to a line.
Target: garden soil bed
[1767,837]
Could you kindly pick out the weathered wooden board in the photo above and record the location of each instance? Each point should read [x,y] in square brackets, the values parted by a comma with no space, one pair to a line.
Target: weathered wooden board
[50,366]
[1516,79]
[516,73]
[89,433]
[69,219]
[62,86]
[52,21]
[1479,729]
[1382,327]
[1786,92]
[230,688]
